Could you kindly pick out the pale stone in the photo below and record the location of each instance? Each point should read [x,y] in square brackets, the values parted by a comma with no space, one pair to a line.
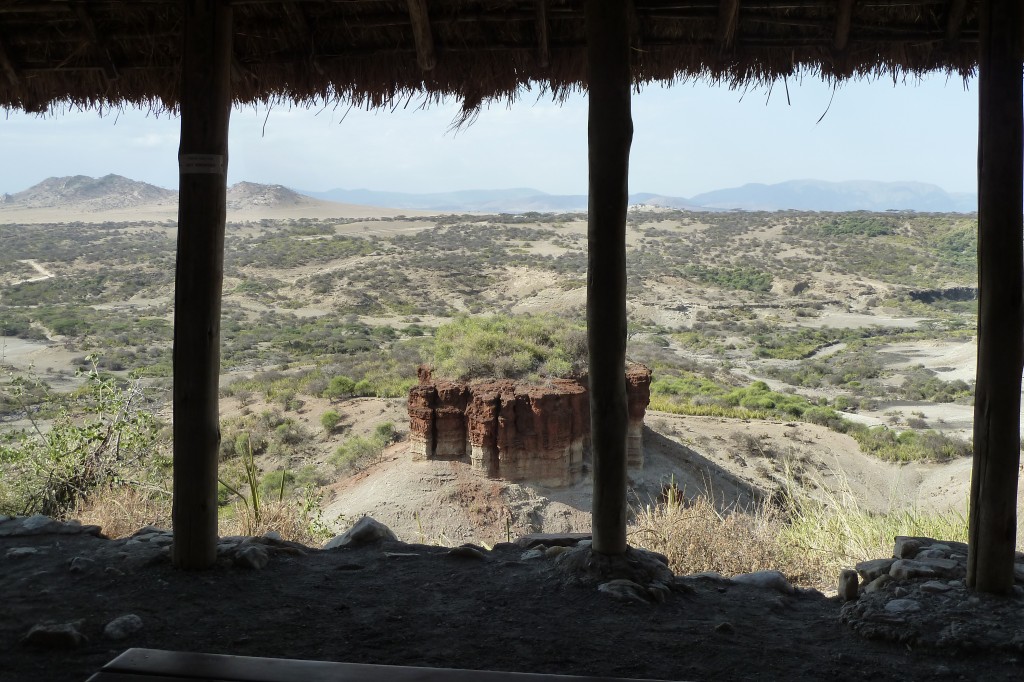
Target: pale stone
[935,587]
[54,636]
[940,565]
[932,553]
[149,530]
[905,569]
[122,626]
[365,531]
[467,552]
[773,580]
[626,590]
[552,552]
[905,547]
[869,570]
[878,583]
[531,554]
[551,539]
[848,585]
[902,606]
[273,535]
[253,556]
[36,522]
[659,590]
[21,552]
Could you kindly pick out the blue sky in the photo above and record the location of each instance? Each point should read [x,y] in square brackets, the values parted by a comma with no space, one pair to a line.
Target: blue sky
[691,138]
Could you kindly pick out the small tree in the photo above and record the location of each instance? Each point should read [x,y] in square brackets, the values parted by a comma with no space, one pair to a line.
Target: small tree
[330,420]
[339,387]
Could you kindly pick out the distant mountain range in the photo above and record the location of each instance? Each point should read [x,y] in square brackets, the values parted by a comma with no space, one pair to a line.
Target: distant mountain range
[114,193]
[803,195]
[117,198]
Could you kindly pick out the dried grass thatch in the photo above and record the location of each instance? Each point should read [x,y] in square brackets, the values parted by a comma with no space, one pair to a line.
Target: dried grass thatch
[108,53]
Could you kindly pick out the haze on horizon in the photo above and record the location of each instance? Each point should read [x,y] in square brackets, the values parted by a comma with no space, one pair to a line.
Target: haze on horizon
[688,139]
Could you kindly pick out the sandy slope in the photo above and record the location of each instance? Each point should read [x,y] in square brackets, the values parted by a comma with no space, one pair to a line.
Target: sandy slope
[736,461]
[168,211]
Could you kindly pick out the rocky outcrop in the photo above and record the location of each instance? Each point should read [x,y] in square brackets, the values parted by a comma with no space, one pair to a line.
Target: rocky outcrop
[515,431]
[638,396]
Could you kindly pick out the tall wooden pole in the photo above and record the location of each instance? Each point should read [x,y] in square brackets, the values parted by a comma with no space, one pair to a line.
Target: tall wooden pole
[993,513]
[610,136]
[202,161]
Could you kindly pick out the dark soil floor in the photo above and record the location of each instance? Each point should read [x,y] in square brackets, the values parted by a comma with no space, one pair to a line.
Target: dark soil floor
[402,604]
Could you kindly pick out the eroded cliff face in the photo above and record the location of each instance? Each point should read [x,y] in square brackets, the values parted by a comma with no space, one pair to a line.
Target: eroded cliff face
[515,431]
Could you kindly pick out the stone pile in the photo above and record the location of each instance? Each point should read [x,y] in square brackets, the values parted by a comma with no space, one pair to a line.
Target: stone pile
[919,596]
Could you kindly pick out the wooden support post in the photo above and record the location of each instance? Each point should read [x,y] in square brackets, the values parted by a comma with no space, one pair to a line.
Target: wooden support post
[202,162]
[993,512]
[955,19]
[543,51]
[96,42]
[728,21]
[8,66]
[844,17]
[422,34]
[609,81]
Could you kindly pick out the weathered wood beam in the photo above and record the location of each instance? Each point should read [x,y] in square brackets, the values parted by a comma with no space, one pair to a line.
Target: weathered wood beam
[635,36]
[8,66]
[955,19]
[97,43]
[844,18]
[541,22]
[422,34]
[610,135]
[728,21]
[993,510]
[199,275]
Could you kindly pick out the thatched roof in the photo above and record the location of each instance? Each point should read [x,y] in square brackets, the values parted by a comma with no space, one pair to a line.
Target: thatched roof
[375,52]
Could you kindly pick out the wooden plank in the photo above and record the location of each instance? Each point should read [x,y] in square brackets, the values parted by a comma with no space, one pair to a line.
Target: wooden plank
[728,21]
[955,19]
[422,34]
[609,82]
[8,66]
[105,676]
[97,42]
[178,665]
[993,510]
[202,177]
[543,50]
[844,18]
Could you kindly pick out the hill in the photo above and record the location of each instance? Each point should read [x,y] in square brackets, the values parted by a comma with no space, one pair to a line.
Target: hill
[114,198]
[858,195]
[801,195]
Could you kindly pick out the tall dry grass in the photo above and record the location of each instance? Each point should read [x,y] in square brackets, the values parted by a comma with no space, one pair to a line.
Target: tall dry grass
[122,510]
[808,539]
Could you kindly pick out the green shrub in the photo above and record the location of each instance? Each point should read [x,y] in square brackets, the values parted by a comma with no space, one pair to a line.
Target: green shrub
[339,387]
[330,420]
[505,346]
[358,451]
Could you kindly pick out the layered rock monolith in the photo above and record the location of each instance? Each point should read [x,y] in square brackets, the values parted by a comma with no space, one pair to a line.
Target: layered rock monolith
[516,431]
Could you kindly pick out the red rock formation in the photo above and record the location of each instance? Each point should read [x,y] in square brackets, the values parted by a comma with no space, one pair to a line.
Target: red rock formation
[638,396]
[513,431]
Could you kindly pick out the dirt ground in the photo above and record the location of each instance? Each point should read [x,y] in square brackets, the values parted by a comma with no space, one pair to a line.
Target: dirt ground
[410,604]
[734,461]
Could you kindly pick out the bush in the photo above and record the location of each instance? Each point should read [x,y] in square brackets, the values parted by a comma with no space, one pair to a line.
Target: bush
[339,387]
[359,451]
[504,346]
[330,420]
